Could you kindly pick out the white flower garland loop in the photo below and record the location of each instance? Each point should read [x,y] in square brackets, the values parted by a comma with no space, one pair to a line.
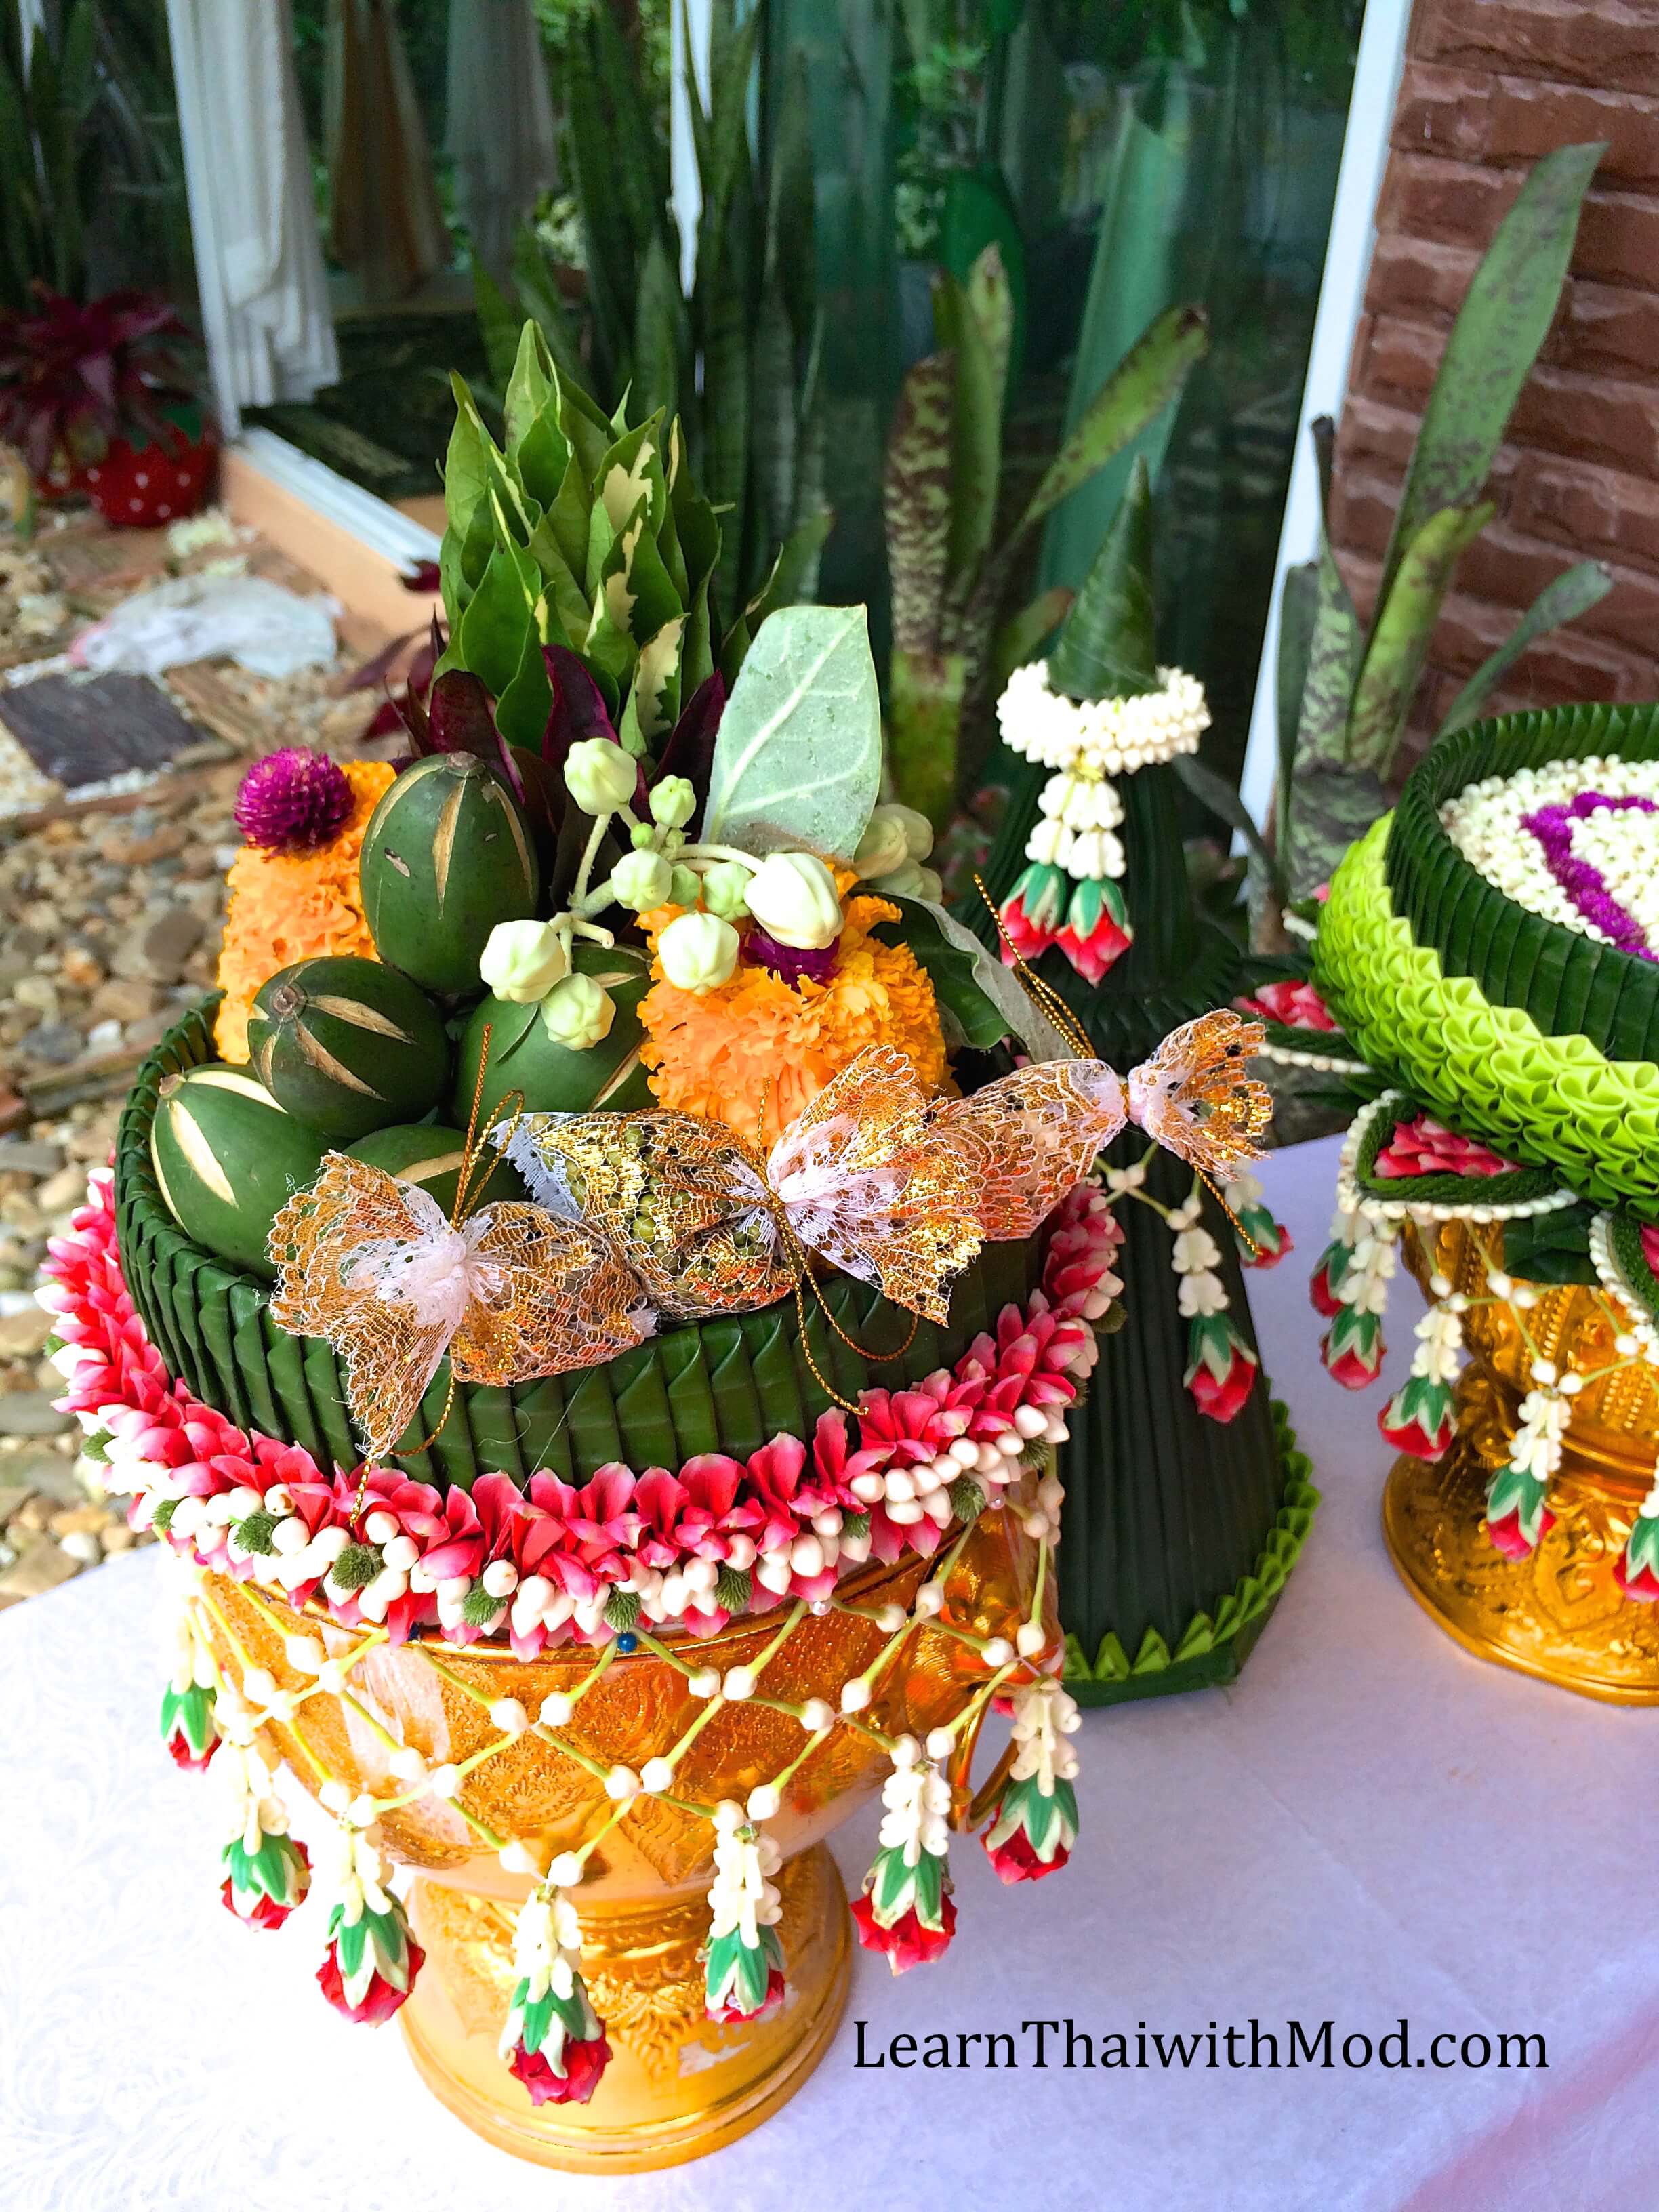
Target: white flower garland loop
[1087,742]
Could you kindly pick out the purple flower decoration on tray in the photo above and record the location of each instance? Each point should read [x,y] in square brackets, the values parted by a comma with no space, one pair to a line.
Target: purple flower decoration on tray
[292,801]
[1585,885]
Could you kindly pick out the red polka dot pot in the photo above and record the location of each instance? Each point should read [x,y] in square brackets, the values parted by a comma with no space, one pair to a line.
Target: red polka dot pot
[146,487]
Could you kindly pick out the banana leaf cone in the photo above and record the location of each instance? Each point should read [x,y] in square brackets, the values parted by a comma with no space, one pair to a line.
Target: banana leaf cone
[1179,1529]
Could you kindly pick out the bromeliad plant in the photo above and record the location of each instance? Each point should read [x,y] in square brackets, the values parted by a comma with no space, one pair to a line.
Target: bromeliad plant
[73,379]
[952,556]
[738,355]
[1346,693]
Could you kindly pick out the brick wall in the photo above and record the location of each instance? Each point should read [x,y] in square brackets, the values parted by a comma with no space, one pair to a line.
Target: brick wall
[1489,85]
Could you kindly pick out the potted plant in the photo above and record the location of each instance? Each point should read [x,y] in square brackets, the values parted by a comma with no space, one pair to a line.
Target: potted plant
[97,399]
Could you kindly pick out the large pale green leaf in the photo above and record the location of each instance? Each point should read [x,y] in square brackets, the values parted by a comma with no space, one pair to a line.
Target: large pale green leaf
[797,760]
[1401,633]
[1134,394]
[916,495]
[1504,318]
[1572,594]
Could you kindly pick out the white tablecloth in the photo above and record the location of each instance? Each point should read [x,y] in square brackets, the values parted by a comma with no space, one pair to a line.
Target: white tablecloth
[1370,1825]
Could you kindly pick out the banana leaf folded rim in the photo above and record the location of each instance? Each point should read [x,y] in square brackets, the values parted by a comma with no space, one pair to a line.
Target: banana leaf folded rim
[728,1385]
[1567,983]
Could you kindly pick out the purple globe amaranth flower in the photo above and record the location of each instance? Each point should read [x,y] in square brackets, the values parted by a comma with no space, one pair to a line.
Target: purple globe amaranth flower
[788,962]
[292,801]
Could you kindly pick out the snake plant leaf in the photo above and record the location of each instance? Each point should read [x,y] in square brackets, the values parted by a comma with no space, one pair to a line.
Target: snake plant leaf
[797,759]
[987,1000]
[1021,636]
[1107,649]
[1324,702]
[974,331]
[1134,394]
[659,333]
[1400,634]
[1504,318]
[917,495]
[787,585]
[1572,594]
[790,215]
[1331,805]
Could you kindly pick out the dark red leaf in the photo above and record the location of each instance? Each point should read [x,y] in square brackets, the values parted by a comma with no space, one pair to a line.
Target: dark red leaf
[579,710]
[691,749]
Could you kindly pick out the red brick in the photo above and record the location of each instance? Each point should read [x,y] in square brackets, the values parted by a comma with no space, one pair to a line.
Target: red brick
[1512,569]
[1362,511]
[1459,203]
[1381,435]
[1523,119]
[1618,239]
[1418,277]
[1441,111]
[1591,418]
[1593,510]
[1595,42]
[1608,327]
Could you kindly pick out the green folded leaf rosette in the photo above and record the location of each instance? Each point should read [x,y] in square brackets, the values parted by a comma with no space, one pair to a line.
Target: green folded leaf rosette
[1551,1098]
[726,1385]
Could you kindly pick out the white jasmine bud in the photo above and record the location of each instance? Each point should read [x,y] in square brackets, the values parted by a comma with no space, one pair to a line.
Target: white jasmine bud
[578,1013]
[523,960]
[599,775]
[793,897]
[698,952]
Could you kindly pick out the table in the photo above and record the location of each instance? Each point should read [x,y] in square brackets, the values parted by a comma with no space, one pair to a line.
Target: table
[1371,1824]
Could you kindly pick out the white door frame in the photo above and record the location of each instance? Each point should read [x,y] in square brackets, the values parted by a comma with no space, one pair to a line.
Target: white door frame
[1341,295]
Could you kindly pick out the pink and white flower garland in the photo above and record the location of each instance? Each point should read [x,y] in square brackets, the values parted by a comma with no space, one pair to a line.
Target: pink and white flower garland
[556,1561]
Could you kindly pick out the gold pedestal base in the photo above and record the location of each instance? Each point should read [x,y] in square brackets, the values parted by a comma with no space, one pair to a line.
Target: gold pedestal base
[1559,1613]
[678,2085]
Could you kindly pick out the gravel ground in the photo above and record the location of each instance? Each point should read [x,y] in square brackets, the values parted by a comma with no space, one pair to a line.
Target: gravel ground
[110,919]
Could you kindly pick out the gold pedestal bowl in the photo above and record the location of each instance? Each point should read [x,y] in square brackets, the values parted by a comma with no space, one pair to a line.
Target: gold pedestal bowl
[1559,1612]
[678,2084]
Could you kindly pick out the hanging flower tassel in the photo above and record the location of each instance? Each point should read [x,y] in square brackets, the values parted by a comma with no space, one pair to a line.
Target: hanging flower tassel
[907,1911]
[1221,1367]
[187,1725]
[267,1874]
[1325,1287]
[264,1883]
[1096,932]
[1518,1519]
[1352,1347]
[1418,1418]
[742,1960]
[189,1728]
[1268,1240]
[372,1960]
[1637,1570]
[553,2041]
[1033,914]
[1034,1824]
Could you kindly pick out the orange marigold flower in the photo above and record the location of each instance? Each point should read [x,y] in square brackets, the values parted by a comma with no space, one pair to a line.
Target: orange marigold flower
[755,1052]
[286,907]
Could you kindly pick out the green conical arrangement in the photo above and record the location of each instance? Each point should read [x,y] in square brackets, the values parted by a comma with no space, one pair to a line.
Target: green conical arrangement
[1179,1529]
